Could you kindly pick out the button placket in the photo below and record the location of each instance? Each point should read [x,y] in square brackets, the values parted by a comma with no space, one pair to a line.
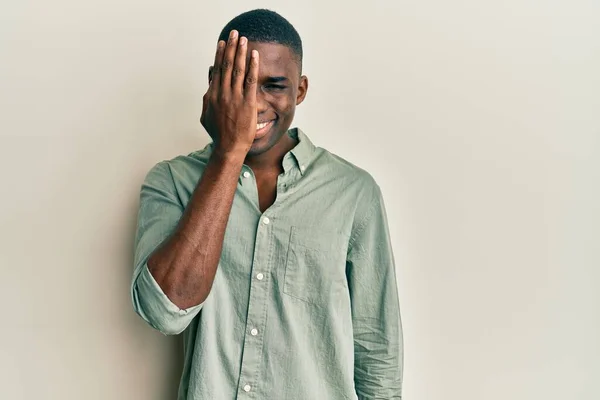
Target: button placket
[257,309]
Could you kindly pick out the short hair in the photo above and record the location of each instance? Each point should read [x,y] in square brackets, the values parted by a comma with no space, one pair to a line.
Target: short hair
[266,26]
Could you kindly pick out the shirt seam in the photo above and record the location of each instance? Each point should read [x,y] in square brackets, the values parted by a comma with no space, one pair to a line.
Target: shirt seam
[360,228]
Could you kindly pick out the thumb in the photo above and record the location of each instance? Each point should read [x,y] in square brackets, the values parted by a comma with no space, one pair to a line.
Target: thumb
[205,100]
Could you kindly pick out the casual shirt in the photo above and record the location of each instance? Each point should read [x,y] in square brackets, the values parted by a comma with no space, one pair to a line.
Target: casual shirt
[304,304]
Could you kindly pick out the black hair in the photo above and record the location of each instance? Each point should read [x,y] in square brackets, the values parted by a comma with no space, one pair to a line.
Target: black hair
[266,26]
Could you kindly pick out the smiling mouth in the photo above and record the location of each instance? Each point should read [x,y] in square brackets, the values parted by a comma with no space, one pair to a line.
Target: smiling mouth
[263,128]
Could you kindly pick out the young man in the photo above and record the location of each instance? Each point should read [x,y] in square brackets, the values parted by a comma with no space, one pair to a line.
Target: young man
[270,254]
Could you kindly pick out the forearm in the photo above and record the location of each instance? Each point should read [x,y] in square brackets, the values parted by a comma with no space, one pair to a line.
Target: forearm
[185,264]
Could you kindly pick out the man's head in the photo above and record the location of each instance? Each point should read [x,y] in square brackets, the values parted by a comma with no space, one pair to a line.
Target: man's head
[266,26]
[281,85]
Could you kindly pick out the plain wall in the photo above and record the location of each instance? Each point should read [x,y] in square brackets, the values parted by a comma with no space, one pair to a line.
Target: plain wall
[479,119]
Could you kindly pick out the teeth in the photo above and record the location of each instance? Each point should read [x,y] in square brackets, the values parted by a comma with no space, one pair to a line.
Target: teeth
[260,126]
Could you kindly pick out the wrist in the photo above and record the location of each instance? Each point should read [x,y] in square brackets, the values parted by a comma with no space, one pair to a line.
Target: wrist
[230,155]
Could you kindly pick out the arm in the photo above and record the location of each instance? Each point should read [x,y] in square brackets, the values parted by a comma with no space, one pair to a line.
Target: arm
[184,266]
[376,320]
[178,251]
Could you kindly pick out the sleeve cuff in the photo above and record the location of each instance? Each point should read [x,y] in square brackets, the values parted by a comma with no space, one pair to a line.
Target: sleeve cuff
[153,305]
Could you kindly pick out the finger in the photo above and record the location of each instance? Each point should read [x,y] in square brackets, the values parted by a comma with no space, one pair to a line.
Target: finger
[216,74]
[228,57]
[205,100]
[239,66]
[252,78]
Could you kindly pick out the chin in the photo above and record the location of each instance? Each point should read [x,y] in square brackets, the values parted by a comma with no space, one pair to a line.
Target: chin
[258,148]
[265,143]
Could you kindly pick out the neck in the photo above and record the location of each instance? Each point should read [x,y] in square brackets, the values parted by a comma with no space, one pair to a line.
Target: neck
[273,158]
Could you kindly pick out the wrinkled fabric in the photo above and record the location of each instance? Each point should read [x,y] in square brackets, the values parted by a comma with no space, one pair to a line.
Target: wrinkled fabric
[304,305]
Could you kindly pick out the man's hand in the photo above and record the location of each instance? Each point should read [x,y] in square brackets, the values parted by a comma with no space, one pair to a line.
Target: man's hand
[229,105]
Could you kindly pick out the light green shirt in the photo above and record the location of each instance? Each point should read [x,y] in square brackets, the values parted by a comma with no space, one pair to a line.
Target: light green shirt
[304,305]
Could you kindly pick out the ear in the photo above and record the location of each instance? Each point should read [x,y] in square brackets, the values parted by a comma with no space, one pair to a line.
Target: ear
[210,73]
[302,89]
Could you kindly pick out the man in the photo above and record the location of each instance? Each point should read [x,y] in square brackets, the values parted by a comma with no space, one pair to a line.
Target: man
[270,254]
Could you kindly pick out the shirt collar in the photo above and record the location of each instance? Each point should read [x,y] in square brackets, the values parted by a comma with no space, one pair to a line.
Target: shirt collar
[303,152]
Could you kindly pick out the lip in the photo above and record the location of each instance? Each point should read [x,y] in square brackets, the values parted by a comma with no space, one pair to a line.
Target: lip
[263,131]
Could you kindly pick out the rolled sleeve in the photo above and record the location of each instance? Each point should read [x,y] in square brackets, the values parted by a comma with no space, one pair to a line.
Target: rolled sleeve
[377,326]
[159,213]
[154,306]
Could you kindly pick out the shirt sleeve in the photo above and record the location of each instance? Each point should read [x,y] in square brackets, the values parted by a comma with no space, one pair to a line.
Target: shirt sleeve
[158,215]
[377,327]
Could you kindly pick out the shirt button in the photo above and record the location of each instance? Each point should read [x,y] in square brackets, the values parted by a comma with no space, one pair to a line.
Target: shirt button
[246,174]
[260,276]
[266,220]
[302,168]
[247,388]
[254,332]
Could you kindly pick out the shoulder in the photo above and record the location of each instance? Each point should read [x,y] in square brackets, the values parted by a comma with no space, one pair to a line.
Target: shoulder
[181,168]
[359,188]
[355,178]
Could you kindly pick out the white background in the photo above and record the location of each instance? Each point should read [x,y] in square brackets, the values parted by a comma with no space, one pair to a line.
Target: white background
[479,119]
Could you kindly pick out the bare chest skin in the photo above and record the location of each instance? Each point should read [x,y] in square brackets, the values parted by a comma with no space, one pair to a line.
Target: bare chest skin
[267,189]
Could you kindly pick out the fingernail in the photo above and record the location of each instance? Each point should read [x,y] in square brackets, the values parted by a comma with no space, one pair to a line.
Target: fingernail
[233,34]
[220,44]
[243,41]
[254,53]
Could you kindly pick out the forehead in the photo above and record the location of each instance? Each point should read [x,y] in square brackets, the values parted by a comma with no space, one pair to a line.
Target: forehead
[274,59]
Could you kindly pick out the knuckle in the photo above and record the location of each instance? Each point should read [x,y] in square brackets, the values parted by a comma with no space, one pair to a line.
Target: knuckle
[237,72]
[226,64]
[251,80]
[223,97]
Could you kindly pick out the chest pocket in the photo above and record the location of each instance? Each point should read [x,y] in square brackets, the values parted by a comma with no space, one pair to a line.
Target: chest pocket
[315,265]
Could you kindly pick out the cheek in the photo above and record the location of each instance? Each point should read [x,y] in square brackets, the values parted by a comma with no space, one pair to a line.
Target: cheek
[286,104]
